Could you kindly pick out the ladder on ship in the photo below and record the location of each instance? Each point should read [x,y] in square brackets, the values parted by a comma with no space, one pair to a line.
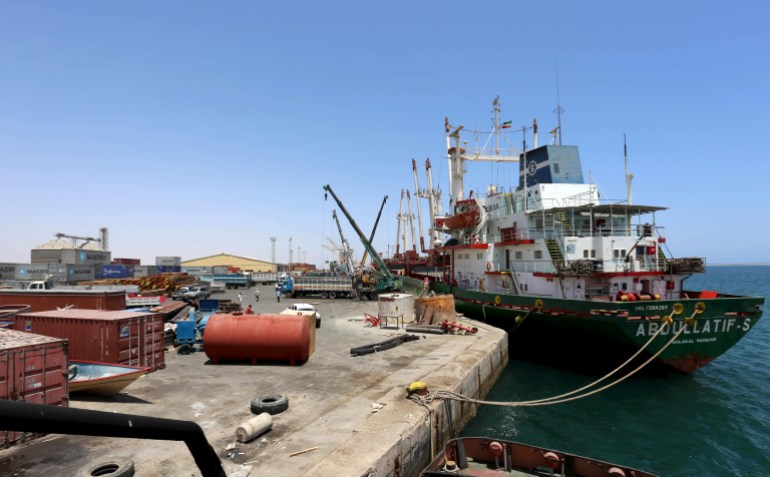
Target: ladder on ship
[566,225]
[555,251]
[558,260]
[662,260]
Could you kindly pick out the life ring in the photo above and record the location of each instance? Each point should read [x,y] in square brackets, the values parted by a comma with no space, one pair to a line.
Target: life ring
[489,266]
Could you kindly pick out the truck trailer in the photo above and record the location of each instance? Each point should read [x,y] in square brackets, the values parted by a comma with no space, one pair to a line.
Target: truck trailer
[326,287]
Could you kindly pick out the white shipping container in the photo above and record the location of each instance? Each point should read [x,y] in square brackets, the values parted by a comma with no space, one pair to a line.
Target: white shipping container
[141,271]
[26,271]
[168,261]
[86,257]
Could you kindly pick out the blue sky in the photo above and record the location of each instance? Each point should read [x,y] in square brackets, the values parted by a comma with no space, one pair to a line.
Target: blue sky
[195,128]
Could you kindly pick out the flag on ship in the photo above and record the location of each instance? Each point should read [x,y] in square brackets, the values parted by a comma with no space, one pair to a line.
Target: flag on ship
[506,125]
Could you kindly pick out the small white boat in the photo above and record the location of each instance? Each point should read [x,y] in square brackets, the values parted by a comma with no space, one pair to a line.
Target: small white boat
[105,379]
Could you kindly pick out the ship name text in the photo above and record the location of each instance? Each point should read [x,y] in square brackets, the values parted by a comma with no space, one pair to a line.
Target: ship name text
[717,325]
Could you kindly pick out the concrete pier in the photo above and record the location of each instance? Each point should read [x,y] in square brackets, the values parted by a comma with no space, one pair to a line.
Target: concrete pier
[349,414]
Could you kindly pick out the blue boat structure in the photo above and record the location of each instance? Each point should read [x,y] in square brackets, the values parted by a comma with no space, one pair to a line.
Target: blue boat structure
[104,379]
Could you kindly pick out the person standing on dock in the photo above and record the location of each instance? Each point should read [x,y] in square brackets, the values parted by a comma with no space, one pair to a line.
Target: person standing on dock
[278,295]
[240,300]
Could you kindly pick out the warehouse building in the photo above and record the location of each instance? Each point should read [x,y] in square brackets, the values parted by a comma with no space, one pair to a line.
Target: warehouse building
[225,261]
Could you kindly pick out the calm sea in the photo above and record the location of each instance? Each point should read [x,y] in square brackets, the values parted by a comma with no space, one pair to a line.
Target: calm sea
[713,423]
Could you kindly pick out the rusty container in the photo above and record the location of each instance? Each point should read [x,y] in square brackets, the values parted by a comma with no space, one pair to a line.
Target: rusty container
[120,337]
[432,310]
[44,300]
[33,368]
[257,338]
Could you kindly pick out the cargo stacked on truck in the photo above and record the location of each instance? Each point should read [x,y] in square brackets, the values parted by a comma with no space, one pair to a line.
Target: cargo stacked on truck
[325,286]
[264,278]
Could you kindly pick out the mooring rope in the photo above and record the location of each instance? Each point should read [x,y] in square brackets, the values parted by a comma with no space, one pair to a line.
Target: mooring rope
[427,399]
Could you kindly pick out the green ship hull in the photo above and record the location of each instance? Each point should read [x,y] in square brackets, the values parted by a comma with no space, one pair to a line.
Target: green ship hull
[560,328]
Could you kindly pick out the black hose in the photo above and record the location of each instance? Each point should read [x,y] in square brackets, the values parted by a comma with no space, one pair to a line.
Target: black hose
[40,418]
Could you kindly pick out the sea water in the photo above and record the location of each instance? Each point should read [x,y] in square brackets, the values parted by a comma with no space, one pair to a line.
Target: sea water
[715,422]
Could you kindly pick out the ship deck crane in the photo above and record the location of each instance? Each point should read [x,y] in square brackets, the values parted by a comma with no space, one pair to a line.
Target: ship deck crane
[387,282]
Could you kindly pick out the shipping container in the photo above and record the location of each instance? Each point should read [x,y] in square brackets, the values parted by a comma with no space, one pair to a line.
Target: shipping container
[80,273]
[197,270]
[168,261]
[141,271]
[168,269]
[85,257]
[33,368]
[121,337]
[126,261]
[44,300]
[57,272]
[114,271]
[27,271]
[8,271]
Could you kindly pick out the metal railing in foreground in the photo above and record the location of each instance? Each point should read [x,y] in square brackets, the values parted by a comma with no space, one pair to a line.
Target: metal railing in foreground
[28,417]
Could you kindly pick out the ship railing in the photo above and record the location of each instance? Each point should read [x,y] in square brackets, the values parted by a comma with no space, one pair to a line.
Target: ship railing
[532,266]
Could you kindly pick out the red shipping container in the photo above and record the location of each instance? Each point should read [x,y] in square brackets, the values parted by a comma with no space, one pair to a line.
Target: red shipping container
[33,368]
[121,337]
[44,300]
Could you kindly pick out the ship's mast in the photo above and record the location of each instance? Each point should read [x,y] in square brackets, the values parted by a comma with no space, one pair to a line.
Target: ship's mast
[496,123]
[454,157]
[457,154]
[558,109]
[410,218]
[434,204]
[629,176]
[417,195]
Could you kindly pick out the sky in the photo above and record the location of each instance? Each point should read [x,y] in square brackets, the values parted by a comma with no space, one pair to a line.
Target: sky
[192,128]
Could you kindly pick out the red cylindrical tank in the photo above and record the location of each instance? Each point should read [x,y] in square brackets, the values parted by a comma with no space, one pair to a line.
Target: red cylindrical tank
[257,338]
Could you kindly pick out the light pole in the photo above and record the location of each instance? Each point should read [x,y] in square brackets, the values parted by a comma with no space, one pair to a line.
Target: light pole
[272,255]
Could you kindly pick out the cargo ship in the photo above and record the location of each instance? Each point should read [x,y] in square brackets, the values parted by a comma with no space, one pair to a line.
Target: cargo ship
[571,275]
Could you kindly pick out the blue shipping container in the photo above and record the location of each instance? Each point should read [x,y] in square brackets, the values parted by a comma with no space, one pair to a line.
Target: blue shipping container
[113,271]
[169,269]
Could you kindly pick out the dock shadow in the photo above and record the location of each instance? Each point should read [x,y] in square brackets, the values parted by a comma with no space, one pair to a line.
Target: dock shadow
[118,398]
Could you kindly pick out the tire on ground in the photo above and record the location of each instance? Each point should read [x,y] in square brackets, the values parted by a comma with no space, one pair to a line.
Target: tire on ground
[110,468]
[269,403]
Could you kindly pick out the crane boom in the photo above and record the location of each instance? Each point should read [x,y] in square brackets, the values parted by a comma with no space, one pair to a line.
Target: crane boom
[374,229]
[367,245]
[345,246]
